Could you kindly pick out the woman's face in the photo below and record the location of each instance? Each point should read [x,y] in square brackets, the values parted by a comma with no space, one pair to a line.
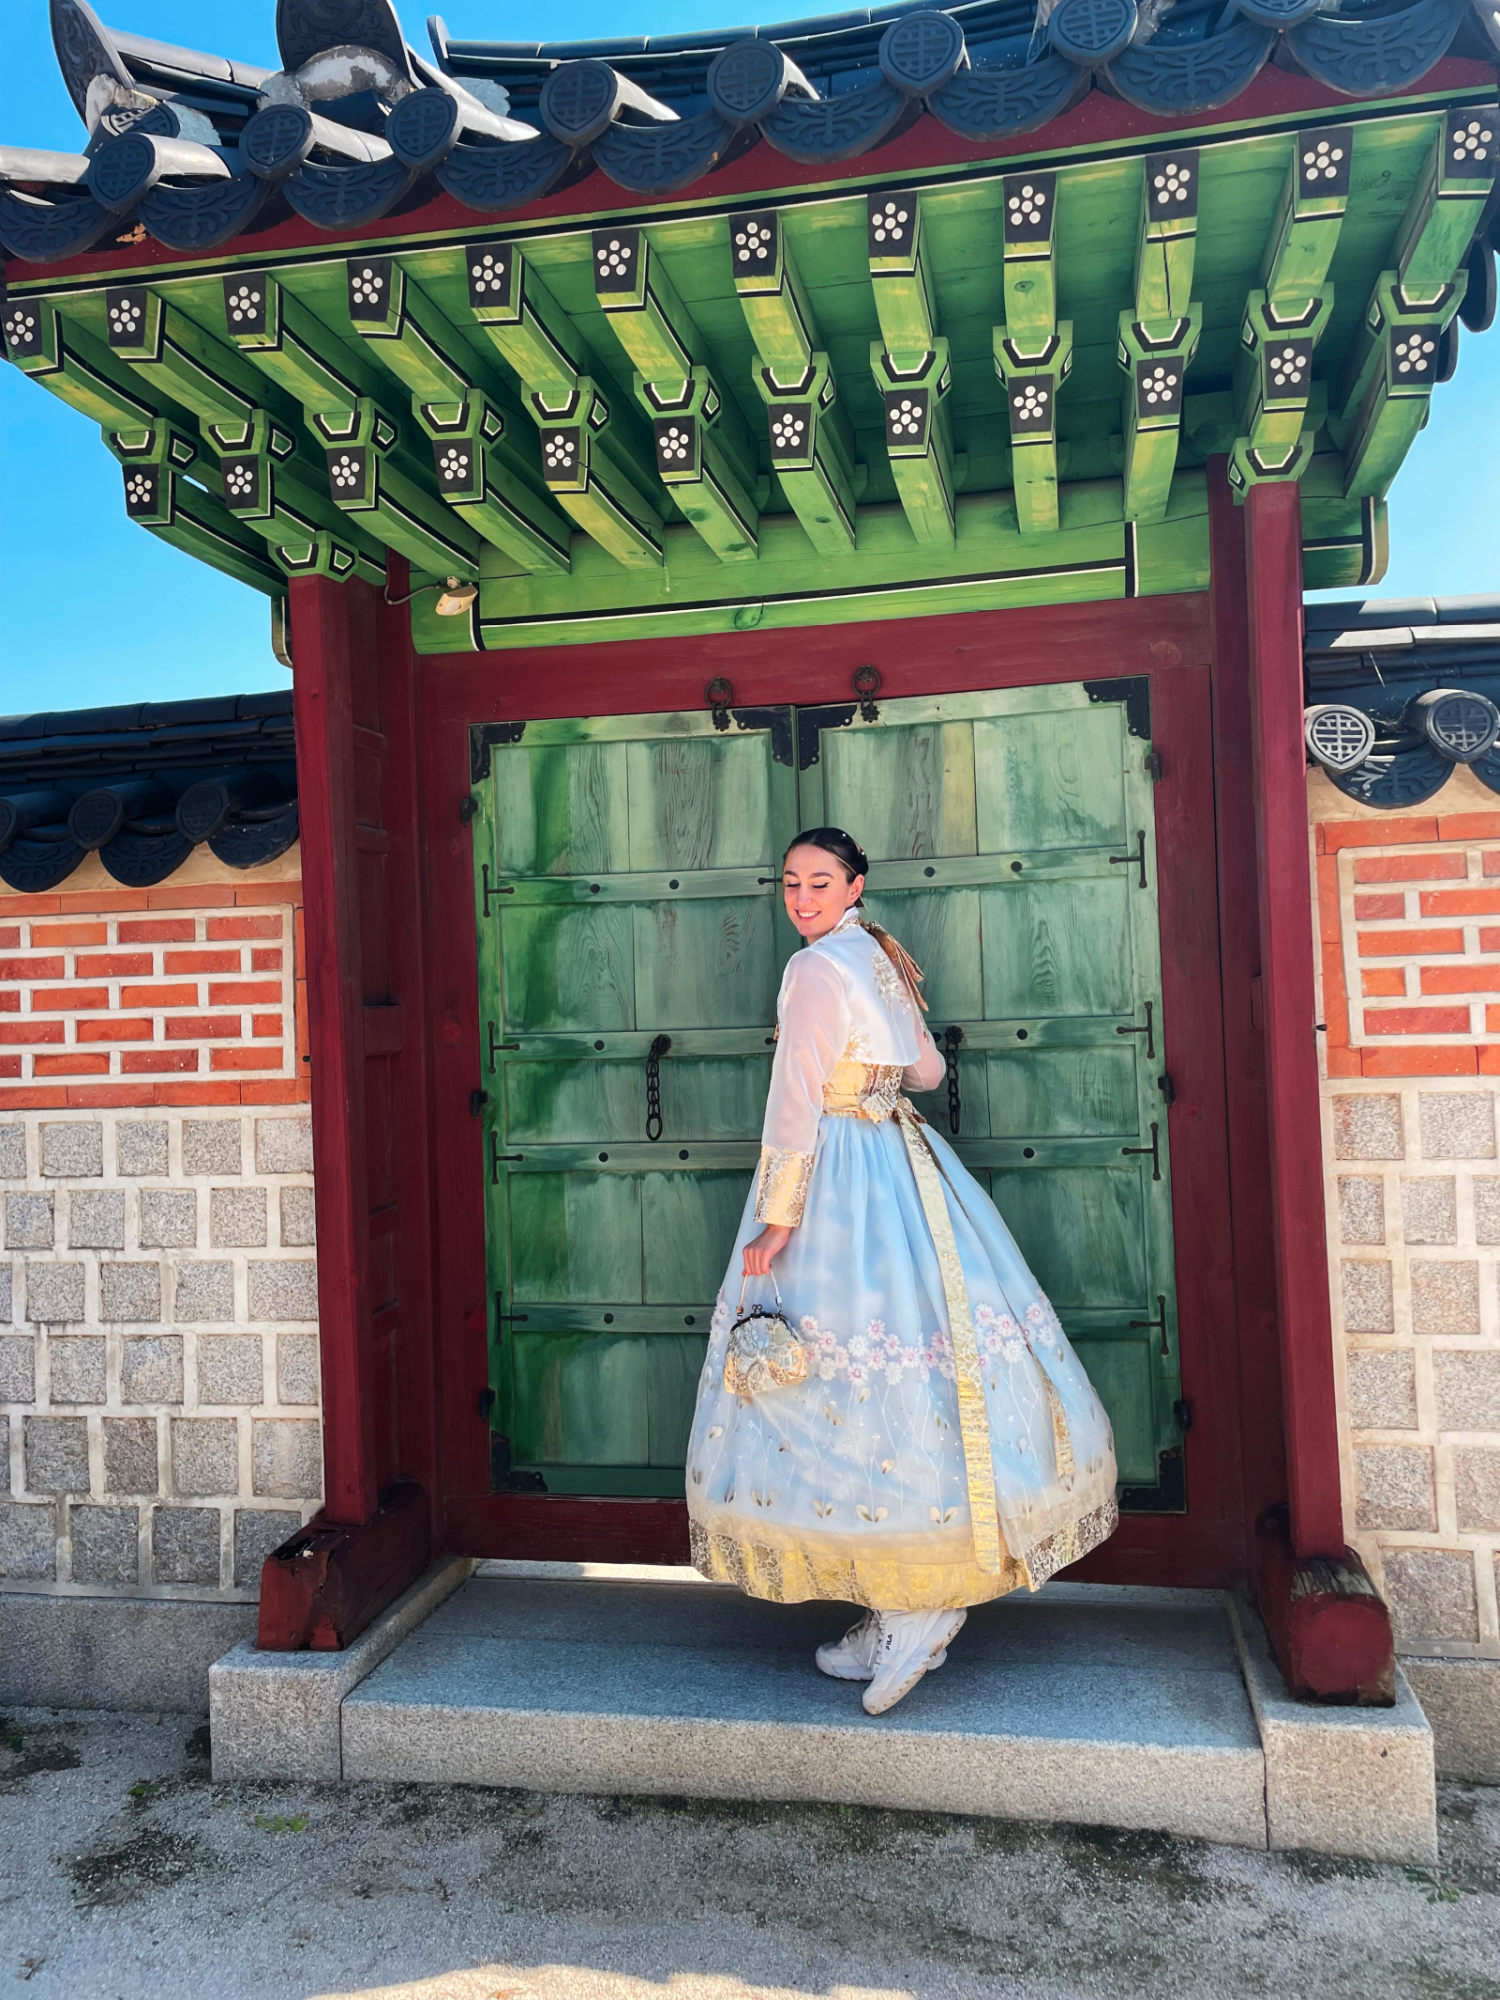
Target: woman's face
[817,890]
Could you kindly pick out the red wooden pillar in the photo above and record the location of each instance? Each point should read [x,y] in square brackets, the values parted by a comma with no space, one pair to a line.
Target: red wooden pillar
[354,701]
[1330,1630]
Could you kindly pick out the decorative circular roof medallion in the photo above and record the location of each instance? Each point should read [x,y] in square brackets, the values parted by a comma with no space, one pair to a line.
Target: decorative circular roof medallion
[277,140]
[423,127]
[122,171]
[577,101]
[920,52]
[747,80]
[1091,31]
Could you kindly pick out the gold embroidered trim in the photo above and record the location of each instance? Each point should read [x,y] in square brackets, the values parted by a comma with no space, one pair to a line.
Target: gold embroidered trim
[1071,1544]
[862,1090]
[973,1415]
[781,1192]
[793,1575]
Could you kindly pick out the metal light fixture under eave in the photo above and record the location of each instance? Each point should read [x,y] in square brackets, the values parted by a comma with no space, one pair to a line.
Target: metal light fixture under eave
[456,598]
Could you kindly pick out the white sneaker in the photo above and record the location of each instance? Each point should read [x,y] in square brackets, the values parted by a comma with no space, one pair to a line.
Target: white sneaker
[852,1658]
[911,1644]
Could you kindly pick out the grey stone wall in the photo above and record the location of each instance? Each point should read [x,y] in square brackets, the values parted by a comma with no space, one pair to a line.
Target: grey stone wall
[160,1411]
[1413,1170]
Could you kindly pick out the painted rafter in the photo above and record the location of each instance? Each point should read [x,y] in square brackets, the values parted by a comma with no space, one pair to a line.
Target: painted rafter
[703,453]
[591,464]
[1158,335]
[812,443]
[1033,349]
[911,366]
[153,445]
[484,460]
[1389,372]
[372,482]
[1287,314]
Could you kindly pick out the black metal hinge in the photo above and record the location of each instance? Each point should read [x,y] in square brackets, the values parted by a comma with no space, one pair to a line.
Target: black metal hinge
[1160,1322]
[496,1046]
[1151,1149]
[1182,1410]
[1168,1090]
[493,889]
[1148,1031]
[1136,860]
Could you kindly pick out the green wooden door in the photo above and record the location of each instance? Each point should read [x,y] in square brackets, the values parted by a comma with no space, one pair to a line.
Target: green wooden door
[1012,846]
[626,890]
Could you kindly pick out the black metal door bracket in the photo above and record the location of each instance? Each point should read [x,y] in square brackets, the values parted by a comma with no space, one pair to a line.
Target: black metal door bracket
[493,889]
[654,1055]
[1151,1149]
[496,1046]
[1160,1322]
[1136,860]
[496,1156]
[1148,1031]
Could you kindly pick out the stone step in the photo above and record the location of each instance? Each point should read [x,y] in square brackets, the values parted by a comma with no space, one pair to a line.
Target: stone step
[1122,1707]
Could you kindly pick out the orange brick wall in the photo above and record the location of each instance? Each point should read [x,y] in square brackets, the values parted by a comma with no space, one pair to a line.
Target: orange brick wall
[168,996]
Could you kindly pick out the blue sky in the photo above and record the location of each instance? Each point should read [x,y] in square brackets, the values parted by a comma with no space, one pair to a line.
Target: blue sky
[94,610]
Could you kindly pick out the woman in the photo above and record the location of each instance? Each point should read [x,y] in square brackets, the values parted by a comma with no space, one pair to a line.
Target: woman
[929,1440]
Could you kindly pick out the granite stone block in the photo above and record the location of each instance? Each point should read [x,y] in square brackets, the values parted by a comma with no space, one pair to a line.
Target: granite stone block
[286,1290]
[185,1544]
[284,1145]
[1468,1389]
[96,1219]
[151,1368]
[205,1456]
[212,1146]
[257,1532]
[287,1455]
[203,1292]
[72,1150]
[278,1714]
[1431,1593]
[7,1292]
[130,1455]
[95,1651]
[1361,1208]
[296,1368]
[1355,1781]
[1476,1490]
[230,1368]
[77,1363]
[57,1454]
[28,1222]
[1457,1124]
[1382,1389]
[28,1543]
[1429,1209]
[1367,1128]
[298,1218]
[1368,1304]
[18,1368]
[141,1147]
[54,1293]
[1393,1487]
[12,1152]
[1461,1699]
[129,1291]
[237,1218]
[106,1546]
[1444,1297]
[169,1218]
[1486,1208]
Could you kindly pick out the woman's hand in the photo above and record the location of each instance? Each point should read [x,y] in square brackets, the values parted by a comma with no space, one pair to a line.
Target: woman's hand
[758,1253]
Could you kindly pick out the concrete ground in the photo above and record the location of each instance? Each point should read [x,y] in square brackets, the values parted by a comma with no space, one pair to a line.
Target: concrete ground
[127,1874]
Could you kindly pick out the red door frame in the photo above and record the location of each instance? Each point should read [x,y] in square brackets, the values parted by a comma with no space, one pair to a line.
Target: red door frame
[1167,638]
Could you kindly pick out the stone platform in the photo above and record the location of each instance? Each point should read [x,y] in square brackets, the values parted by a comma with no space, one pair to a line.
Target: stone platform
[1118,1707]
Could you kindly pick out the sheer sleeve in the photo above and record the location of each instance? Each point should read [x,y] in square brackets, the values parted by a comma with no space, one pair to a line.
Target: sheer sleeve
[814,1032]
[927,1072]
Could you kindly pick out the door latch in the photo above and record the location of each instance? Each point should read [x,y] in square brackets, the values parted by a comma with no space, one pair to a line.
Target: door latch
[653,1085]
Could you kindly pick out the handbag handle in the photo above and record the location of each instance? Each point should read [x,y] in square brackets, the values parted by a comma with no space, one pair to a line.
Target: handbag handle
[740,1308]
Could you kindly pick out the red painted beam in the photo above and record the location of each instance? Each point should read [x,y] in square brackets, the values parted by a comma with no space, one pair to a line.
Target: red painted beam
[1273,569]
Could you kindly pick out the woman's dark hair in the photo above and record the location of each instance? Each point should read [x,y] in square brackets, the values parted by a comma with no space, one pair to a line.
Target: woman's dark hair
[833,840]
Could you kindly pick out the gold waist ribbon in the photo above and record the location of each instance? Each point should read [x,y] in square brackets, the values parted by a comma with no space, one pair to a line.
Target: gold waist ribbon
[973,1413]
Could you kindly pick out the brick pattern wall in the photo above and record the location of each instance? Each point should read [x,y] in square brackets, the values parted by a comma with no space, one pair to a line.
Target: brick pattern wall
[1411,999]
[160,1409]
[137,1003]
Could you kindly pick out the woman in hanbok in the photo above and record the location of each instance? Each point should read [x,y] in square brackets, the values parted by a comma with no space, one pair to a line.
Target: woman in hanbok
[915,1434]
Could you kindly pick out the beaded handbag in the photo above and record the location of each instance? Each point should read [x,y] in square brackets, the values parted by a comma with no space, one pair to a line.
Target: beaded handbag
[764,1352]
